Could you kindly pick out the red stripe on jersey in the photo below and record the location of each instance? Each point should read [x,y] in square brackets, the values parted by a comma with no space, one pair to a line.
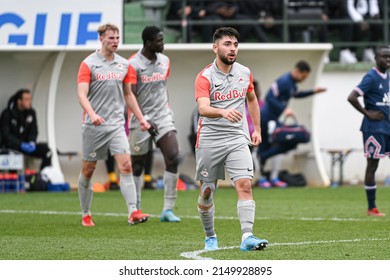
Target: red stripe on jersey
[251,87]
[202,85]
[198,133]
[132,75]
[84,75]
[127,78]
[168,71]
[84,117]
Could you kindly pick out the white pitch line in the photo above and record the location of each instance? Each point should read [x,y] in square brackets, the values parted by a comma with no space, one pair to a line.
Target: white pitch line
[195,255]
[334,219]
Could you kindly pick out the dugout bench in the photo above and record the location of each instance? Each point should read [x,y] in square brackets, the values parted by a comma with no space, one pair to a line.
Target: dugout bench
[338,157]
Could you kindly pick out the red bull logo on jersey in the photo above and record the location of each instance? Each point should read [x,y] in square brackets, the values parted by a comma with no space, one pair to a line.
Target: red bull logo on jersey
[154,78]
[232,94]
[109,76]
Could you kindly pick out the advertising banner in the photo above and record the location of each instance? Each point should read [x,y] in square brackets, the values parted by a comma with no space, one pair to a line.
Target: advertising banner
[56,23]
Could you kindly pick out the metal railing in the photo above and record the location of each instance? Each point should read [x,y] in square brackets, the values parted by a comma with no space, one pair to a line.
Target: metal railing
[285,22]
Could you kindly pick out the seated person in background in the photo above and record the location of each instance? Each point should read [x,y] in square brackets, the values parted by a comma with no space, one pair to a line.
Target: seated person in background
[308,10]
[231,10]
[266,12]
[194,10]
[19,128]
[359,12]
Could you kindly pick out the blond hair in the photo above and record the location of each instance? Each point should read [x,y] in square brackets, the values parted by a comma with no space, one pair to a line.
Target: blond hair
[108,26]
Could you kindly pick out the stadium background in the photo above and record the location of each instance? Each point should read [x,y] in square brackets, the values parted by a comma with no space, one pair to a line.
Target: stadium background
[50,70]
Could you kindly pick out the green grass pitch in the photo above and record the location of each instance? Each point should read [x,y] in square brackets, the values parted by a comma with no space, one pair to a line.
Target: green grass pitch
[300,223]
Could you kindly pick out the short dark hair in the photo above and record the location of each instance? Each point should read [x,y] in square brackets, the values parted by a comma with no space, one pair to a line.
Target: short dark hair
[149,33]
[381,47]
[19,94]
[225,31]
[303,66]
[108,26]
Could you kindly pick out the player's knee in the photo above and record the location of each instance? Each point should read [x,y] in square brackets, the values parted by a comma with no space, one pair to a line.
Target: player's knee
[172,164]
[88,171]
[372,166]
[125,167]
[206,197]
[244,186]
[371,169]
[206,194]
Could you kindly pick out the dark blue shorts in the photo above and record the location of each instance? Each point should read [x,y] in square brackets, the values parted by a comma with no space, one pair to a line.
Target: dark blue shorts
[376,145]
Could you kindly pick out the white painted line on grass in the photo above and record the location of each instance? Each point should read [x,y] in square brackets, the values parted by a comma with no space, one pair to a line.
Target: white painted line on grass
[335,219]
[196,255]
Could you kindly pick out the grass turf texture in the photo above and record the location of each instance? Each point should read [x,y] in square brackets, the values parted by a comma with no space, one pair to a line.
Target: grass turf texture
[300,223]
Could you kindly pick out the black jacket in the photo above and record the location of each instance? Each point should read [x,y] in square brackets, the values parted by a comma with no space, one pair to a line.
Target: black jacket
[18,126]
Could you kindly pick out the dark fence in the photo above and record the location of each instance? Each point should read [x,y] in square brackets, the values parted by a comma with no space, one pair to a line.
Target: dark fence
[304,16]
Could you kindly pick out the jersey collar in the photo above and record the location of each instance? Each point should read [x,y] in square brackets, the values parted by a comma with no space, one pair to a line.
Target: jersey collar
[104,59]
[383,75]
[146,61]
[232,70]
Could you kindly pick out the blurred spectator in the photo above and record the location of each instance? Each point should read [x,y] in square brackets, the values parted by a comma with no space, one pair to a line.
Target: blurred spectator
[194,10]
[20,130]
[308,10]
[230,10]
[338,11]
[265,12]
[359,11]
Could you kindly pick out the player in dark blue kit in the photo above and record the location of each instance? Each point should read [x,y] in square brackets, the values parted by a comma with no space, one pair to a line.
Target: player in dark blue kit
[376,123]
[275,105]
